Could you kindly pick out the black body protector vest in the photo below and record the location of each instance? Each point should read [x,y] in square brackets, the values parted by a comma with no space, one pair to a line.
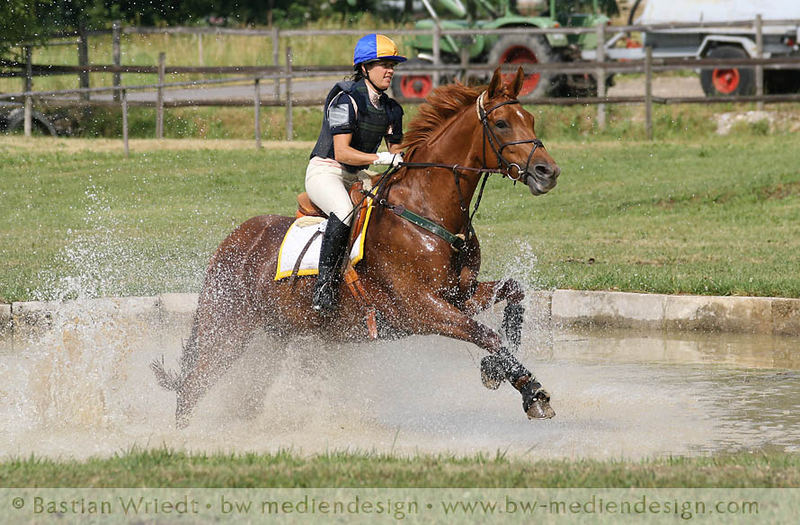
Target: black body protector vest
[368,124]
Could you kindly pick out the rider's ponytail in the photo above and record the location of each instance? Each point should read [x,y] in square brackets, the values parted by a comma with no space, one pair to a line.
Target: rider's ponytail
[358,73]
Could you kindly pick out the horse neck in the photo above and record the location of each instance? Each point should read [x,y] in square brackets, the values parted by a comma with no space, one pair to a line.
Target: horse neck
[435,191]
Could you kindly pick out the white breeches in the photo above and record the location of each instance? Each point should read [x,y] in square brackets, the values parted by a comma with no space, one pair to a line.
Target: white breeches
[328,186]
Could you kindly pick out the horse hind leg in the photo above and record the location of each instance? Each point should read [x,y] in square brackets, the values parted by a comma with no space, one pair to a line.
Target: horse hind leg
[215,342]
[214,355]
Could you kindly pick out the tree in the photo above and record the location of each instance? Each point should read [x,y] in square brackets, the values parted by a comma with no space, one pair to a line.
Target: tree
[21,22]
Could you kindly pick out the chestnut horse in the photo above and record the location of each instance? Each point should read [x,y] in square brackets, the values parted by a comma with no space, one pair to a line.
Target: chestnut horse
[420,281]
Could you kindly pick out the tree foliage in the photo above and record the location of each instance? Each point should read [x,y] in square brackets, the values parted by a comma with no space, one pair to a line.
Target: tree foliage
[21,21]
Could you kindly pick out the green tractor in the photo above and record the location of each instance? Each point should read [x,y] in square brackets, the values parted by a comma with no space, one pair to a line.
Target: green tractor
[512,48]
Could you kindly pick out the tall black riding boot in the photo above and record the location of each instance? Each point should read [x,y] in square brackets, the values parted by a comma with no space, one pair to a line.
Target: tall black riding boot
[331,256]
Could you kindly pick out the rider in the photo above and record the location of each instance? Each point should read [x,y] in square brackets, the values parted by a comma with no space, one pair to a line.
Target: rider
[358,116]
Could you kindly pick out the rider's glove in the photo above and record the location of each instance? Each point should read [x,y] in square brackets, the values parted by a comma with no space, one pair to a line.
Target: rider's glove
[389,159]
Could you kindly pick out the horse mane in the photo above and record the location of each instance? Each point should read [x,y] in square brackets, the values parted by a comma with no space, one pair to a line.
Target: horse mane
[442,104]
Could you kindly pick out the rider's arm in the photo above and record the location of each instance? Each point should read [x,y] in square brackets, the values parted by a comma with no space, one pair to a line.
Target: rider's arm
[344,153]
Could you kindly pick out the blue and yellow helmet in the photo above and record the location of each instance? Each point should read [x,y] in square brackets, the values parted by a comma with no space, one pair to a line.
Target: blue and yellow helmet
[376,47]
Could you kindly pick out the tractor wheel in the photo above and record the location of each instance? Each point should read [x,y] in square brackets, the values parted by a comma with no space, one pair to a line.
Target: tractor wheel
[40,125]
[525,50]
[728,82]
[411,86]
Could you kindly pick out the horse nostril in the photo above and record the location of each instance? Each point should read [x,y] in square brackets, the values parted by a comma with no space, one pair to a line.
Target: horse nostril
[545,170]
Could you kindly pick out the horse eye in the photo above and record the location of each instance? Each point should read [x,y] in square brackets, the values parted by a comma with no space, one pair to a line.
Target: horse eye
[502,124]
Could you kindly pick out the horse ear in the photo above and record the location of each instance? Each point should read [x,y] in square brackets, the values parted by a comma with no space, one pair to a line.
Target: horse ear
[496,84]
[516,85]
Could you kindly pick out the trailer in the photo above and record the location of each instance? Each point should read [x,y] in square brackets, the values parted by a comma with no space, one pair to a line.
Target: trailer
[720,41]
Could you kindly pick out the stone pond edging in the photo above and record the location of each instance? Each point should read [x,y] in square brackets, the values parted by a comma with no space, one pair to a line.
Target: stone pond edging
[755,315]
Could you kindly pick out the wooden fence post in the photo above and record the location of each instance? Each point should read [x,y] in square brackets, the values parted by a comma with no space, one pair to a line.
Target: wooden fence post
[289,117]
[437,52]
[83,59]
[648,92]
[125,122]
[28,82]
[759,68]
[162,58]
[465,65]
[116,56]
[601,75]
[276,59]
[257,109]
[200,58]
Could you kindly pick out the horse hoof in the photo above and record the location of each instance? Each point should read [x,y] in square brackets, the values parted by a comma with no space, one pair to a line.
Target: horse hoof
[537,406]
[491,372]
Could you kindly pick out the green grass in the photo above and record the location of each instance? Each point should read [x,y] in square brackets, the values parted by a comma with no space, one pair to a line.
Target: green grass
[166,468]
[719,217]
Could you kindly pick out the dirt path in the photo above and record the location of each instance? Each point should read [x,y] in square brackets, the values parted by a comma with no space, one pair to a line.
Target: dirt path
[662,86]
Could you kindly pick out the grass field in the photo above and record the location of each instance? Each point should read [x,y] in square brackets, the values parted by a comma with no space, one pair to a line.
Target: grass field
[720,217]
[165,468]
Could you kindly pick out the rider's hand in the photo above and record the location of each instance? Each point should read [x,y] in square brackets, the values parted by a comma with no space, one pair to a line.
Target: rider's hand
[389,159]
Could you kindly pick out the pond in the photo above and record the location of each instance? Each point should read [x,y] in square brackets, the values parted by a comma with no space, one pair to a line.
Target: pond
[85,388]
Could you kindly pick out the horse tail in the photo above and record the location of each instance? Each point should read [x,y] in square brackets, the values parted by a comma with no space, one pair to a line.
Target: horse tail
[167,379]
[171,380]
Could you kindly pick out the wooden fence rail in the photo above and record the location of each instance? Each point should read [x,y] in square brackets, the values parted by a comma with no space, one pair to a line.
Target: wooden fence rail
[436,32]
[288,73]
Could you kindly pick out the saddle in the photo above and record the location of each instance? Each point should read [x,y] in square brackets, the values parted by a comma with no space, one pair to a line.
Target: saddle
[306,208]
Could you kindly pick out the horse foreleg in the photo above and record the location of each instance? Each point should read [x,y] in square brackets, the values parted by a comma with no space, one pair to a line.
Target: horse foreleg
[443,318]
[492,292]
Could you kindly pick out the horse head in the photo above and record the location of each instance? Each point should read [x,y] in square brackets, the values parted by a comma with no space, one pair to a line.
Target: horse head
[509,137]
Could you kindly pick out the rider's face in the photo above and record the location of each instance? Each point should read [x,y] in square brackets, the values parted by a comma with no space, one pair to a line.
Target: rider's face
[380,73]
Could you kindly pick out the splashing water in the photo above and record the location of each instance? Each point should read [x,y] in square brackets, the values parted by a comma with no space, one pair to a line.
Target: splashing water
[87,390]
[109,255]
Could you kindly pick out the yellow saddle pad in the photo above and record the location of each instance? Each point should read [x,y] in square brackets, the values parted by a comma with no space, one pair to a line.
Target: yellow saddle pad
[298,235]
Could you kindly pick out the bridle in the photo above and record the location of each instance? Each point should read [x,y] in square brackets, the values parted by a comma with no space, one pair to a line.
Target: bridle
[490,136]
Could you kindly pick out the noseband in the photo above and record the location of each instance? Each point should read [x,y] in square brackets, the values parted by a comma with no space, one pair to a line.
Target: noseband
[489,136]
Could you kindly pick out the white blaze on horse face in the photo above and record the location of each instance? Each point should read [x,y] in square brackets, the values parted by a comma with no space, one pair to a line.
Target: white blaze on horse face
[521,115]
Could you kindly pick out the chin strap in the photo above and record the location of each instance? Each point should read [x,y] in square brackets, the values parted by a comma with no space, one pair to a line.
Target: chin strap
[376,88]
